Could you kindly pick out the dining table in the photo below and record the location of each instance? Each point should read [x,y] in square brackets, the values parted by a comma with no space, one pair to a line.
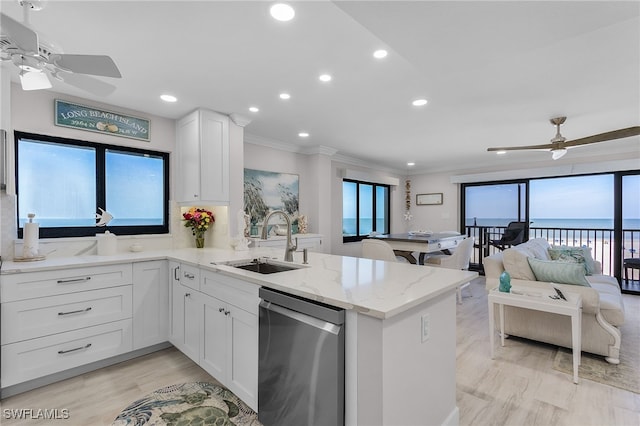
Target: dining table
[423,243]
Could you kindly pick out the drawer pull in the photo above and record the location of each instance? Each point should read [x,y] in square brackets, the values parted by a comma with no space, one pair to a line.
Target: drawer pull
[79,311]
[87,346]
[74,280]
[220,310]
[175,273]
[190,276]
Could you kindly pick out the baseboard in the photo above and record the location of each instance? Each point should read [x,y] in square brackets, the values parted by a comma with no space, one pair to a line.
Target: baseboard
[76,371]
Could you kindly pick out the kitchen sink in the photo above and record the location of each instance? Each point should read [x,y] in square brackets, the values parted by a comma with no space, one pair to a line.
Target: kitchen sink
[262,266]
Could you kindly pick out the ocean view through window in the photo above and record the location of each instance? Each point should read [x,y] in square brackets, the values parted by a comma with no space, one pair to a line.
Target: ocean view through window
[65,182]
[365,209]
[599,211]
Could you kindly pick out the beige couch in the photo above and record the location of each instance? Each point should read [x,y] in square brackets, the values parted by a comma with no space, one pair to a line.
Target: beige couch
[602,305]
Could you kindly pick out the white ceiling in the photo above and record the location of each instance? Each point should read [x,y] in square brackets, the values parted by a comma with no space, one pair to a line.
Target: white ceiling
[493,72]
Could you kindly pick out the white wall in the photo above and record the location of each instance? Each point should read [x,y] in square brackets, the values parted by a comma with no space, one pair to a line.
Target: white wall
[444,217]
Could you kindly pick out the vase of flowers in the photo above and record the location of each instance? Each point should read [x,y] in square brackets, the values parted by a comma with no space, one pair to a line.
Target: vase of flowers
[199,221]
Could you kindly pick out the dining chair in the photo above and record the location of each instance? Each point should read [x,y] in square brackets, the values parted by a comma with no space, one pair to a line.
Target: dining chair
[459,260]
[378,250]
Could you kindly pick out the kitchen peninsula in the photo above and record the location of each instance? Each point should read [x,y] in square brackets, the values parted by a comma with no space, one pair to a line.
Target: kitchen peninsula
[400,320]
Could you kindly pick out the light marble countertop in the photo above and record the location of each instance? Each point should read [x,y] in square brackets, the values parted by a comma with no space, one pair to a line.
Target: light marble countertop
[373,287]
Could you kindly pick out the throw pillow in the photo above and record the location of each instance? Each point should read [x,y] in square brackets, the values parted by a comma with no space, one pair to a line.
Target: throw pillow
[559,272]
[577,254]
[516,264]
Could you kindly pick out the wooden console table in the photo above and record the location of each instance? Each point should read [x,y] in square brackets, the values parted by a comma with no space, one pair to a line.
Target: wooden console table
[539,300]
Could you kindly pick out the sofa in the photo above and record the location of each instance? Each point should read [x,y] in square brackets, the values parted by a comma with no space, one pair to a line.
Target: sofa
[536,264]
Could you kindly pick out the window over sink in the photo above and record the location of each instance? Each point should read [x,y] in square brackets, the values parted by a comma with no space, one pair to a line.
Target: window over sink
[65,182]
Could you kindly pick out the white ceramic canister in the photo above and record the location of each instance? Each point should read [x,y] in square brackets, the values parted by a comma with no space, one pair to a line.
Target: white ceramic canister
[107,244]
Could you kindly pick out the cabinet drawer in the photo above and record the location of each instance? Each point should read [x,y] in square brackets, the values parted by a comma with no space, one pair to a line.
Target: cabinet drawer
[28,319]
[189,276]
[36,358]
[30,285]
[236,292]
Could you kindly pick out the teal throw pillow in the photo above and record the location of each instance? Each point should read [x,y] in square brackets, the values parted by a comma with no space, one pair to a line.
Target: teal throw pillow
[574,254]
[559,272]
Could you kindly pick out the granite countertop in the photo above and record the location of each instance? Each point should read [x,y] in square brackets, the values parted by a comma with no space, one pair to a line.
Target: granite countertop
[372,287]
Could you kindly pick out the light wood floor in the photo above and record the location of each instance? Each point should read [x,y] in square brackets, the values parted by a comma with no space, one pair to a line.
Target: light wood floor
[519,387]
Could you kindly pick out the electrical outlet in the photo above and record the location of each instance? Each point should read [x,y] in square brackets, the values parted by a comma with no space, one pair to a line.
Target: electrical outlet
[425,327]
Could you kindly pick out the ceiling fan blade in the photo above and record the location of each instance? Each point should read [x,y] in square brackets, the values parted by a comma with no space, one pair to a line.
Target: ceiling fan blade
[87,83]
[101,65]
[519,148]
[24,37]
[608,136]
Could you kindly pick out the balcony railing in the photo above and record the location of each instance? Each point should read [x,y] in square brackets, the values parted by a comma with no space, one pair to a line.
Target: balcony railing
[601,242]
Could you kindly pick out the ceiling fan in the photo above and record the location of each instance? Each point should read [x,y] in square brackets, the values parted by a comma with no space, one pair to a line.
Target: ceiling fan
[560,144]
[35,57]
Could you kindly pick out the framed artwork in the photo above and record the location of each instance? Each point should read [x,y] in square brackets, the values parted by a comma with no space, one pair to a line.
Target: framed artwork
[429,199]
[264,191]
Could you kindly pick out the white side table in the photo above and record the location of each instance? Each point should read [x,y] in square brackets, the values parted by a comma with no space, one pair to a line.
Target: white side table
[539,300]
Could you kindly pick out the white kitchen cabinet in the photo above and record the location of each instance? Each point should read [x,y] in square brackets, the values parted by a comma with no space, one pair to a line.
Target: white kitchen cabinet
[229,341]
[150,303]
[185,313]
[60,319]
[202,154]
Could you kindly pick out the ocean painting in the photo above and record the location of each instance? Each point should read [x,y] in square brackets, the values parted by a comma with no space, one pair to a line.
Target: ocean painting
[265,191]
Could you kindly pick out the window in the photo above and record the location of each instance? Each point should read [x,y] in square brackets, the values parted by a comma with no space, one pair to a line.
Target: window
[65,182]
[365,209]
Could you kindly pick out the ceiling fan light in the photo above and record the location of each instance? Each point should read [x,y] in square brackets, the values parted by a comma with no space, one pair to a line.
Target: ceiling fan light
[558,153]
[34,80]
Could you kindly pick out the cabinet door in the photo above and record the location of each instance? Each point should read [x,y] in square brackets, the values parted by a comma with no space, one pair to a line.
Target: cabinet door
[242,355]
[192,320]
[214,150]
[188,155]
[213,353]
[150,303]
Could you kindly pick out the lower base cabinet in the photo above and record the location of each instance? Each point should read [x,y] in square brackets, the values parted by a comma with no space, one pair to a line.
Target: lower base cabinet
[35,358]
[215,332]
[150,303]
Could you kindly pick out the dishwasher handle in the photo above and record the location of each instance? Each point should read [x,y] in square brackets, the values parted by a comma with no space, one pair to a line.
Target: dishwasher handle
[297,316]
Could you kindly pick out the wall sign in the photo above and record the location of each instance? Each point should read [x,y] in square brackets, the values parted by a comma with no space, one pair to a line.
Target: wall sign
[100,121]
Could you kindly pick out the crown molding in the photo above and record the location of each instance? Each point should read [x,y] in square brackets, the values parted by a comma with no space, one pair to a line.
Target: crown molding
[317,149]
[240,120]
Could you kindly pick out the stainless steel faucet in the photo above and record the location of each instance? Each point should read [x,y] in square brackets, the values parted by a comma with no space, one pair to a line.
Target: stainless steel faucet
[290,247]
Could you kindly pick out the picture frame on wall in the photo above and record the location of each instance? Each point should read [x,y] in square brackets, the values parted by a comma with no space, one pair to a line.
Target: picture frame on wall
[431,199]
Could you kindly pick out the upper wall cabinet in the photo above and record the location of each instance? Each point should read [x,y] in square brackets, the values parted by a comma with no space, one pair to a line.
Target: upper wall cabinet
[203,158]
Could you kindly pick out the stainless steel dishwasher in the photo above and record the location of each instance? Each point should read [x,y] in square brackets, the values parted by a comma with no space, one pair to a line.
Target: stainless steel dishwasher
[301,361]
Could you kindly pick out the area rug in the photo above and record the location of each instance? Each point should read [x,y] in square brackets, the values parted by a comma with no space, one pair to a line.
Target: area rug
[625,375]
[198,403]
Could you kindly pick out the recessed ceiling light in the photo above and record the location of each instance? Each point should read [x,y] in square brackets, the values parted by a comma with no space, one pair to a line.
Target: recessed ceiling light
[285,96]
[419,102]
[501,152]
[379,54]
[325,77]
[303,134]
[411,164]
[168,98]
[254,109]
[282,12]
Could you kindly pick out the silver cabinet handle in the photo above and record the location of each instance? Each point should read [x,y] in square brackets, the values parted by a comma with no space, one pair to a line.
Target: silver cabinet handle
[87,346]
[190,276]
[187,295]
[175,273]
[227,312]
[220,309]
[74,280]
[75,312]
